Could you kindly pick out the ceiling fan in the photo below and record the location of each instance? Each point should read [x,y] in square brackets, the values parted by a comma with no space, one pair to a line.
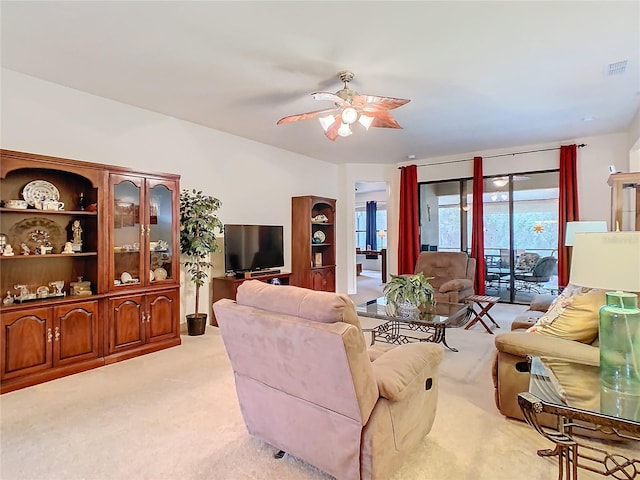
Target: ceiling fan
[350,107]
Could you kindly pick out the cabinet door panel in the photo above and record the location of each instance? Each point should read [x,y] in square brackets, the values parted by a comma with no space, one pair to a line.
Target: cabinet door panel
[323,279]
[75,333]
[163,310]
[126,326]
[26,342]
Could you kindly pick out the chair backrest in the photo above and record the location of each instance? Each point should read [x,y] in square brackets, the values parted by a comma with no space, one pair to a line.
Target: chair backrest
[527,261]
[445,266]
[544,267]
[304,343]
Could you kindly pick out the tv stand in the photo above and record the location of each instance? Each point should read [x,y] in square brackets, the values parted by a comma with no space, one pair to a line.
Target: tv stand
[260,273]
[227,287]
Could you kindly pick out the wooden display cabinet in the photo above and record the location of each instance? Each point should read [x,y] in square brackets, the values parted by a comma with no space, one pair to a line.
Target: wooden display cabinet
[625,201]
[313,245]
[46,335]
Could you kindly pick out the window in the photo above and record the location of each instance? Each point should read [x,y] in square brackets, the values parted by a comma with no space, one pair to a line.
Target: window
[381,226]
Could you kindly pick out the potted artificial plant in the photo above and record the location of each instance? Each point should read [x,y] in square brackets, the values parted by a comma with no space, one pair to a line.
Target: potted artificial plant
[198,224]
[407,295]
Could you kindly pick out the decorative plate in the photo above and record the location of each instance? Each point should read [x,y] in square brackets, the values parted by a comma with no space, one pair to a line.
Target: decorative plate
[36,232]
[126,277]
[160,273]
[40,190]
[320,236]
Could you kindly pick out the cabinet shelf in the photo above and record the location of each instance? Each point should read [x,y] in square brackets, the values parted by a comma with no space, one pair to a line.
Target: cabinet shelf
[49,302]
[35,211]
[49,255]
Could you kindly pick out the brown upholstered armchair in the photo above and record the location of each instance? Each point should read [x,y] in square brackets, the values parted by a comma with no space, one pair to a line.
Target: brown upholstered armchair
[453,274]
[308,385]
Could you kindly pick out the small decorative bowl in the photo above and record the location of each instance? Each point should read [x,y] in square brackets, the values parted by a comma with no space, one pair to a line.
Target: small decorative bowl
[19,204]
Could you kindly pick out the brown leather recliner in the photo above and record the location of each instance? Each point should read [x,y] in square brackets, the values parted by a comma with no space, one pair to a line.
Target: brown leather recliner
[452,274]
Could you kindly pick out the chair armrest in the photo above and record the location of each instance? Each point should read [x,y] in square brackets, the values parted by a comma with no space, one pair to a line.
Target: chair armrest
[455,285]
[398,368]
[522,344]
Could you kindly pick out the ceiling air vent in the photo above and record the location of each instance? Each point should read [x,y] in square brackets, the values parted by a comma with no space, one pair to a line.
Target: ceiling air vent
[617,68]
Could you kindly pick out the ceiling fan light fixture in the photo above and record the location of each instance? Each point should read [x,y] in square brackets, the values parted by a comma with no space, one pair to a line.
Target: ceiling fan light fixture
[344,130]
[349,115]
[327,121]
[500,181]
[365,121]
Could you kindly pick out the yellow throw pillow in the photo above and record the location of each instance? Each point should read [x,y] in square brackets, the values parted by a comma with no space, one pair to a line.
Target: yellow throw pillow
[574,318]
[577,384]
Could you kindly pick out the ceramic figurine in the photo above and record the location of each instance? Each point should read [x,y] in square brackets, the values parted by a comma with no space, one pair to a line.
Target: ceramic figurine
[68,247]
[8,300]
[25,249]
[8,251]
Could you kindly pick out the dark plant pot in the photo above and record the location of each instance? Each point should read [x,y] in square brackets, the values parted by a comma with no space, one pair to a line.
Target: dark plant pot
[196,323]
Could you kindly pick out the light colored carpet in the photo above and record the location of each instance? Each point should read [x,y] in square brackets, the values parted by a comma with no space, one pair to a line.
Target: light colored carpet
[174,415]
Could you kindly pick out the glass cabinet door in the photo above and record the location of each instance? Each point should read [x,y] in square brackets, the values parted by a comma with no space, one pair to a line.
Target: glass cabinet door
[160,205]
[127,230]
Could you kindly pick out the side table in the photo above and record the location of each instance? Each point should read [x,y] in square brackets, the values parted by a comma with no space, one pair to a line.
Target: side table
[483,310]
[595,410]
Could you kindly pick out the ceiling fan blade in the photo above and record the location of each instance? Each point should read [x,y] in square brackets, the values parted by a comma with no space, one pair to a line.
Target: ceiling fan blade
[383,119]
[305,116]
[332,97]
[388,103]
[332,131]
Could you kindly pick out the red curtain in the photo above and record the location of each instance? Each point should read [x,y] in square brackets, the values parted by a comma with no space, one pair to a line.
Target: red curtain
[477,229]
[567,206]
[409,227]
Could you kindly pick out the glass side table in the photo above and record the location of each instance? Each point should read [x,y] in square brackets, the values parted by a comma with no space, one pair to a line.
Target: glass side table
[570,391]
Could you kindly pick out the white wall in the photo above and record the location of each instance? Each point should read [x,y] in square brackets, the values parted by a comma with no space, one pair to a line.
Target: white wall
[42,117]
[593,191]
[633,136]
[593,162]
[255,182]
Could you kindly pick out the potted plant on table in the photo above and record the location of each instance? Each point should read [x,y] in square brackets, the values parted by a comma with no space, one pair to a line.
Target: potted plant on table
[198,225]
[408,295]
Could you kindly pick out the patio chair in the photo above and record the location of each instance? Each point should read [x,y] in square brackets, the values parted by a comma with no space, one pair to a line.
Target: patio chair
[541,273]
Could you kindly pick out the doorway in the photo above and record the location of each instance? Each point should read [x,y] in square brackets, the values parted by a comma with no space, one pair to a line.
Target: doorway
[371,200]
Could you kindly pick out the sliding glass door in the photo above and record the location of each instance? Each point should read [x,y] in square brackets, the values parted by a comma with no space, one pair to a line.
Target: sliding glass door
[520,229]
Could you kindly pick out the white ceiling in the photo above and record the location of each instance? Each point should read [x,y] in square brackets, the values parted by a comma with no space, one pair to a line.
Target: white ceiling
[480,75]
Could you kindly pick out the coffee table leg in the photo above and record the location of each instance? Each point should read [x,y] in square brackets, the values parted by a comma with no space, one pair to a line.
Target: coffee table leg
[444,340]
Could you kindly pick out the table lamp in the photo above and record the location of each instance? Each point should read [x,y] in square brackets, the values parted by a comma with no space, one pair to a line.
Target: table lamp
[611,261]
[587,226]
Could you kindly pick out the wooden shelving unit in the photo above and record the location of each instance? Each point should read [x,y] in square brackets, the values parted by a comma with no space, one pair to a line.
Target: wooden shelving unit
[313,262]
[53,336]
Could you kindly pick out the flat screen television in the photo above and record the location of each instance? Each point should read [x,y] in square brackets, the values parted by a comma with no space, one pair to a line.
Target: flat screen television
[253,247]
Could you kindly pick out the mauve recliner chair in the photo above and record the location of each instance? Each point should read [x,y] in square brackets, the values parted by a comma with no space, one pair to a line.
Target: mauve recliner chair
[308,385]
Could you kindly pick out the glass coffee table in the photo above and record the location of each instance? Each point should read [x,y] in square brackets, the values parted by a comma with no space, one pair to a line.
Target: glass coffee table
[572,393]
[428,327]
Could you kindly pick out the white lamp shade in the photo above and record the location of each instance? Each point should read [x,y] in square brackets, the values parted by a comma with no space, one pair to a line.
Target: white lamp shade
[609,261]
[327,121]
[344,130]
[575,227]
[365,121]
[349,115]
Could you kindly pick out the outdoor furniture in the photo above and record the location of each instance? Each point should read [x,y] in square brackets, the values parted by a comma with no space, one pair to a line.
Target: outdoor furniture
[478,300]
[541,273]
